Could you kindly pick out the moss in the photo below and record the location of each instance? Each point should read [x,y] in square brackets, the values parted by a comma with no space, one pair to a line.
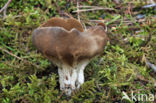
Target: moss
[120,68]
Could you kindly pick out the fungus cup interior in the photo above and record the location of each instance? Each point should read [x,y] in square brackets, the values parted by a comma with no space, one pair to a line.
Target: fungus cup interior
[68,23]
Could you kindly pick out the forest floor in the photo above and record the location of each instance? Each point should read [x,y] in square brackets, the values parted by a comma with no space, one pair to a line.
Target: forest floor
[123,73]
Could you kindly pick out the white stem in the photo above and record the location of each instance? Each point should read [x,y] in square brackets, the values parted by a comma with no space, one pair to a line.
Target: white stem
[67,79]
[80,73]
[71,78]
[61,76]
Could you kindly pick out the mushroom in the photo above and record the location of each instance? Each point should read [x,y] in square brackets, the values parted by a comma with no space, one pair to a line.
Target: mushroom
[67,45]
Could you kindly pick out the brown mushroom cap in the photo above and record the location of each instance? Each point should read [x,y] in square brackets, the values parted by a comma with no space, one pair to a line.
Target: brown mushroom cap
[69,47]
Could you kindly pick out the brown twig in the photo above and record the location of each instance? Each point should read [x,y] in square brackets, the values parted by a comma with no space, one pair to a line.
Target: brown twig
[97,20]
[5,7]
[4,50]
[92,9]
[89,8]
[84,6]
[148,64]
[78,13]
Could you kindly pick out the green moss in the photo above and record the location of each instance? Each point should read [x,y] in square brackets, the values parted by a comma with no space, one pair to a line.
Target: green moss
[119,68]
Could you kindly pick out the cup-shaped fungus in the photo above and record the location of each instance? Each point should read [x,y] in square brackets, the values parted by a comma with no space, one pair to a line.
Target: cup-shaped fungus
[67,45]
